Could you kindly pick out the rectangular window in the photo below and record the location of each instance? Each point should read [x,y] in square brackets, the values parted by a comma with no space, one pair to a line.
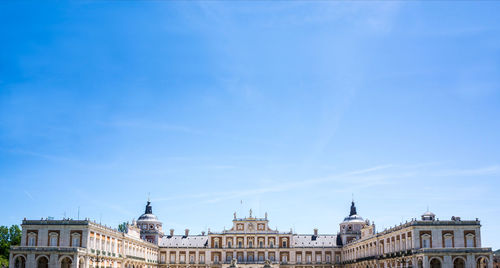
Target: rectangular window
[53,240]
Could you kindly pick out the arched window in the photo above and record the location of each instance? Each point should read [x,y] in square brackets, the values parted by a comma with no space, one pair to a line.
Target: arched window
[66,263]
[458,263]
[20,262]
[435,263]
[42,262]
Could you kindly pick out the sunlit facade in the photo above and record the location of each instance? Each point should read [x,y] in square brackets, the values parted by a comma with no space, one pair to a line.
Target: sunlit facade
[251,243]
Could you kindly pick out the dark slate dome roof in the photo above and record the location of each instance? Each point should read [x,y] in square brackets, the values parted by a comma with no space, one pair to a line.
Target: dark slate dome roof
[148,215]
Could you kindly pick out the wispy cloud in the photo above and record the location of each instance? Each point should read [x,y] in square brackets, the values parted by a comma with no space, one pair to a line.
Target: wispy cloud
[29,195]
[380,175]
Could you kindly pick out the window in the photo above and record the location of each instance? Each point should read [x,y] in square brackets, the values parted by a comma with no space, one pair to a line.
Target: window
[240,244]
[271,244]
[284,243]
[32,240]
[250,244]
[202,258]
[229,244]
[318,258]
[299,258]
[261,244]
[309,258]
[216,258]
[182,258]
[284,258]
[271,257]
[162,258]
[75,240]
[469,240]
[261,257]
[328,258]
[191,259]
[53,239]
[172,257]
[448,241]
[426,241]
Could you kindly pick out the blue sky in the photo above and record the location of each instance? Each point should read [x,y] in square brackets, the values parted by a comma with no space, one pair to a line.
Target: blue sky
[289,107]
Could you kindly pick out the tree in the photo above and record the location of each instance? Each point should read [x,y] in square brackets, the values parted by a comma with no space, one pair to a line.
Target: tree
[8,237]
[122,227]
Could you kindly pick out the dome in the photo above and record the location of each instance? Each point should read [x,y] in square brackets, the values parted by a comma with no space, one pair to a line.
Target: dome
[148,215]
[353,215]
[354,218]
[428,216]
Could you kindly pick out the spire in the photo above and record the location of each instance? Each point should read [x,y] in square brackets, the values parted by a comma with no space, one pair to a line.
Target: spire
[149,208]
[353,209]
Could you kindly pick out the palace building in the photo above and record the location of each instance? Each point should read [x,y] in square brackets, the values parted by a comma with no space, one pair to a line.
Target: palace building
[422,243]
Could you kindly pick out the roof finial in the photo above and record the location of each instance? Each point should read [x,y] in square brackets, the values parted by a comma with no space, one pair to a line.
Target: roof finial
[353,209]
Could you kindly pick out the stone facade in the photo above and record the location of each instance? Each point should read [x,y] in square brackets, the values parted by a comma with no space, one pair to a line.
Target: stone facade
[251,243]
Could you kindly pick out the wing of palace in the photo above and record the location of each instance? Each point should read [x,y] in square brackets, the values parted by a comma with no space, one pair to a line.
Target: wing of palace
[250,243]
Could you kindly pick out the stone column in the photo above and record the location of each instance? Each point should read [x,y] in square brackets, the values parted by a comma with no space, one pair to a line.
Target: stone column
[470,262]
[425,262]
[447,263]
[31,261]
[11,261]
[54,262]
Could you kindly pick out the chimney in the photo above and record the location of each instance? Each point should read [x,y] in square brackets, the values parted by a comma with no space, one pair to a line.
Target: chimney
[315,231]
[187,232]
[171,232]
